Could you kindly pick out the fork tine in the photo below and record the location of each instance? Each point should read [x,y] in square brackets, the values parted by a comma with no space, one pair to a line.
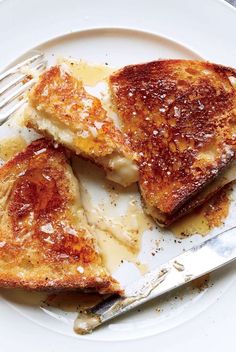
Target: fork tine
[6,115]
[16,93]
[9,103]
[12,83]
[41,66]
[23,63]
[19,78]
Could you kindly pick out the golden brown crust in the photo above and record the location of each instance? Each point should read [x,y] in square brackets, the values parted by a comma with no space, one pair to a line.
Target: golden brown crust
[61,109]
[180,118]
[108,285]
[45,242]
[63,100]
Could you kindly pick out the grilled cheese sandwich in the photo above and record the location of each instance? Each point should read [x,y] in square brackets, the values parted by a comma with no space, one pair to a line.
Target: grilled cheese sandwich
[45,241]
[180,118]
[60,107]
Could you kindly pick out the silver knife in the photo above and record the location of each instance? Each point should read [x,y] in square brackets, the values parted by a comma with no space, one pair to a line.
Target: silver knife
[192,264]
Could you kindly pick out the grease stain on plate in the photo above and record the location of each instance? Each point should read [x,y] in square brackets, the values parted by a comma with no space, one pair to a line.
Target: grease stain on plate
[119,237]
[117,217]
[73,301]
[206,217]
[89,74]
[11,146]
[115,254]
[201,283]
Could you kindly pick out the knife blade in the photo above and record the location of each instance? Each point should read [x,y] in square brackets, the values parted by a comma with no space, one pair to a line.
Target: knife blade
[192,264]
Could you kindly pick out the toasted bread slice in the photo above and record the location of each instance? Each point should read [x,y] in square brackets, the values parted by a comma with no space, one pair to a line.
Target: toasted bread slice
[45,242]
[60,107]
[180,117]
[227,176]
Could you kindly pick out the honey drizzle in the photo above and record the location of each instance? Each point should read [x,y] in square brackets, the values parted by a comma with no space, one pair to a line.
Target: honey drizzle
[89,74]
[206,217]
[11,146]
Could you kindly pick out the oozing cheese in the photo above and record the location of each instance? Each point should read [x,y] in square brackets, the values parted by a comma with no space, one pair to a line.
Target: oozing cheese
[118,167]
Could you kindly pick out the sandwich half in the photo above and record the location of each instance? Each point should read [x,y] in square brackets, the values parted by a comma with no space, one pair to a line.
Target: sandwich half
[180,119]
[45,242]
[59,107]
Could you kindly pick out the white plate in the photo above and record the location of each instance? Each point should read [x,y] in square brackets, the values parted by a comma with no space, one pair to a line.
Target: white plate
[31,23]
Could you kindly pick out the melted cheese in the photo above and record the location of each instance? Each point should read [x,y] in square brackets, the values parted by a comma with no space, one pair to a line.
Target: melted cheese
[61,135]
[125,229]
[119,168]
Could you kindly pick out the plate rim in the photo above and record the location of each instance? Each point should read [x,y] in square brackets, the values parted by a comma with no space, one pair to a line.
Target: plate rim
[89,30]
[155,338]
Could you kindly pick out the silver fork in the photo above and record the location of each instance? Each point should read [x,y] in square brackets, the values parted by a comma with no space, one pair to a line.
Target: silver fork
[15,82]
